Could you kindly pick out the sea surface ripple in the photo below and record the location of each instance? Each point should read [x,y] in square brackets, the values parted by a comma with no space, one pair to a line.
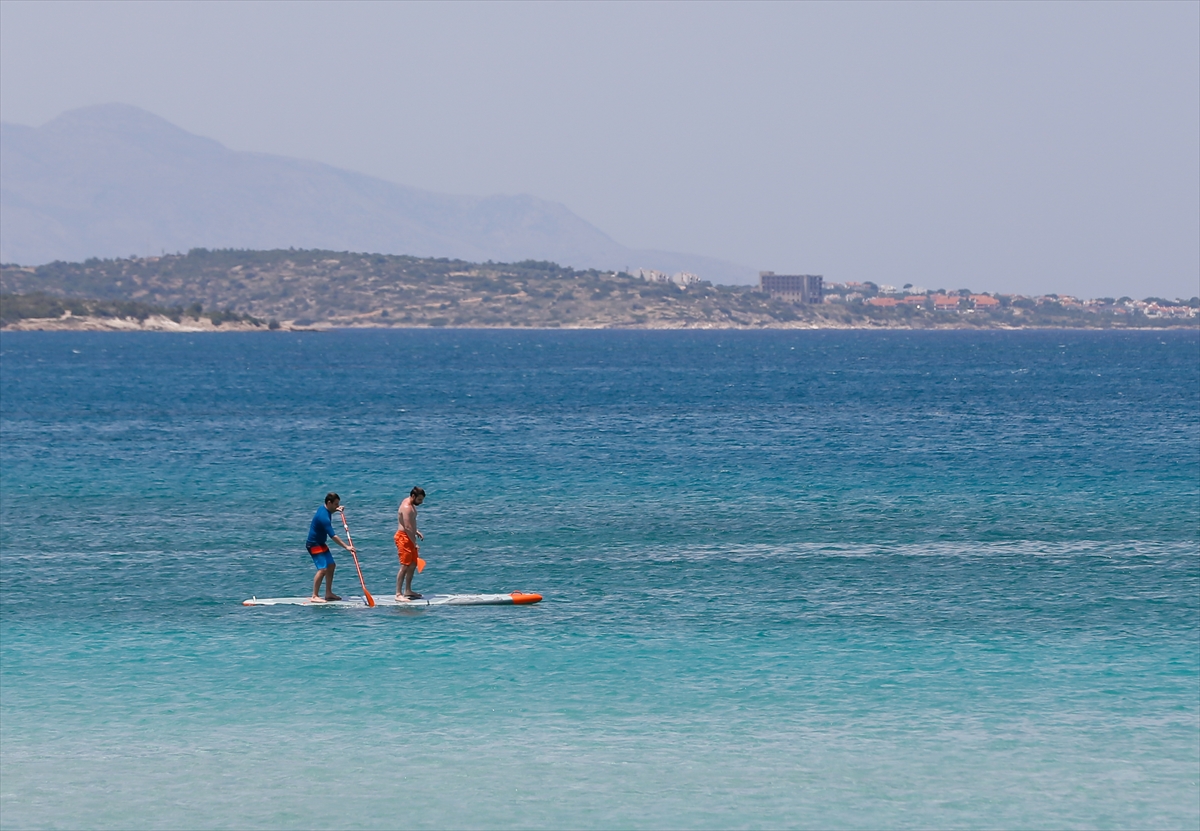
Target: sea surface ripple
[792,579]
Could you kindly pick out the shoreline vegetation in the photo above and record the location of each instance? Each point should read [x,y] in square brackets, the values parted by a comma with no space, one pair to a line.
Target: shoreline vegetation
[290,290]
[40,310]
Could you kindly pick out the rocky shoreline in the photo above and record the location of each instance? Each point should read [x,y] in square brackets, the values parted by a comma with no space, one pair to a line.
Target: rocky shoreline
[159,323]
[154,323]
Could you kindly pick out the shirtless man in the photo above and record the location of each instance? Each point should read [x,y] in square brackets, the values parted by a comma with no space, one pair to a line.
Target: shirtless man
[319,531]
[406,518]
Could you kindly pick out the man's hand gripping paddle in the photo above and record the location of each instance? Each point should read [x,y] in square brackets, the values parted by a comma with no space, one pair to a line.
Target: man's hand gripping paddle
[366,594]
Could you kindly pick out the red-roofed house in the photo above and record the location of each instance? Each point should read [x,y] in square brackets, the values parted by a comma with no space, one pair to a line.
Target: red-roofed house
[982,301]
[887,302]
[945,302]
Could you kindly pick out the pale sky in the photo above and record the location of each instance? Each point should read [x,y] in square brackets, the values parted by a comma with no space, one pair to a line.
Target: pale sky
[1030,147]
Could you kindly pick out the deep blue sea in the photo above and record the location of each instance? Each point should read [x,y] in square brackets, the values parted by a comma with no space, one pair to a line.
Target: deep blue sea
[810,579]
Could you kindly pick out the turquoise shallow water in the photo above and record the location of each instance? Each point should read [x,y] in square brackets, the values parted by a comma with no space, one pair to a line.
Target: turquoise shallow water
[810,579]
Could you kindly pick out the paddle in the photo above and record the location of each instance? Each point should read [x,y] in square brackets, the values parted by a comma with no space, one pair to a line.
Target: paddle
[366,594]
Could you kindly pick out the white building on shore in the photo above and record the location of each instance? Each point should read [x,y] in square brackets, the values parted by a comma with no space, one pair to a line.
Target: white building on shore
[683,279]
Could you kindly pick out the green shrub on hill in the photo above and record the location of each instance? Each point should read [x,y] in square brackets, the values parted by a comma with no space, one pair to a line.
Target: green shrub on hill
[41,306]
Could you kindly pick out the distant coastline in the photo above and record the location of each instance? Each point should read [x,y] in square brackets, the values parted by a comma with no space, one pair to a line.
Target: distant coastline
[154,323]
[290,290]
[162,324]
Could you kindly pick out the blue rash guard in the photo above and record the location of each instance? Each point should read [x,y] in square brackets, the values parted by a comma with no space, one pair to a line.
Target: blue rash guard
[320,530]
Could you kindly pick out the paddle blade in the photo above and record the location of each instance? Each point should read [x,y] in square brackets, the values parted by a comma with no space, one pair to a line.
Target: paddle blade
[420,565]
[367,594]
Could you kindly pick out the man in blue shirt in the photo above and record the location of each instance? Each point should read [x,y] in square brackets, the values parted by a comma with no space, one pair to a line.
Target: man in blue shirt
[319,531]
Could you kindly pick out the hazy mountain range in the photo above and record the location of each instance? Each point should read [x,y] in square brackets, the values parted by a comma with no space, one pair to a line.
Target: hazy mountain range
[115,180]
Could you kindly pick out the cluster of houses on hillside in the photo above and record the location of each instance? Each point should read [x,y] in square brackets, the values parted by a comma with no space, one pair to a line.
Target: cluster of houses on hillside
[965,302]
[937,302]
[812,288]
[807,288]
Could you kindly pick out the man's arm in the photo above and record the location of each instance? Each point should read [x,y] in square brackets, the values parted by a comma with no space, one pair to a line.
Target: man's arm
[333,536]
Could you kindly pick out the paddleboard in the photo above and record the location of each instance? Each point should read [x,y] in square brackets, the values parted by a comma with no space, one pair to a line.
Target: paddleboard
[357,602]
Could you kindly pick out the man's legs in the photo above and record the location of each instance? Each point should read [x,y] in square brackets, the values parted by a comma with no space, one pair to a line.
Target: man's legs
[329,595]
[316,595]
[406,571]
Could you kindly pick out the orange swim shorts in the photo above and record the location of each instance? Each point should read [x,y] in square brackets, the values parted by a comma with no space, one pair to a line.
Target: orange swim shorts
[406,548]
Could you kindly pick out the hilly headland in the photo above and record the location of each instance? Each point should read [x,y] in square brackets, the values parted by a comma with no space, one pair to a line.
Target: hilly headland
[225,290]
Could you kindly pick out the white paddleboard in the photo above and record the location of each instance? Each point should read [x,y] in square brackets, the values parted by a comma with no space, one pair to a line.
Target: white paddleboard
[357,602]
